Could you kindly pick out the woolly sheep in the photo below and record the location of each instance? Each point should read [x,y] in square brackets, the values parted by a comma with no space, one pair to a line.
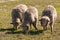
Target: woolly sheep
[30,18]
[17,14]
[48,17]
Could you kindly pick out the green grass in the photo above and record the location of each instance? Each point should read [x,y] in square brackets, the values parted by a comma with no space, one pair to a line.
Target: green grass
[5,19]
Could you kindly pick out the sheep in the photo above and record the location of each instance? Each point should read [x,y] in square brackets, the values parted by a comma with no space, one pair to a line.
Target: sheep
[17,14]
[30,18]
[48,17]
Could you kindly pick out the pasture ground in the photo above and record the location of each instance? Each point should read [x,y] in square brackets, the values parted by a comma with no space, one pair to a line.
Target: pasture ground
[6,27]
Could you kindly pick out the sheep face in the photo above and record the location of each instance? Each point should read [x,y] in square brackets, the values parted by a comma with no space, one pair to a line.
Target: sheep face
[16,23]
[15,11]
[44,22]
[25,28]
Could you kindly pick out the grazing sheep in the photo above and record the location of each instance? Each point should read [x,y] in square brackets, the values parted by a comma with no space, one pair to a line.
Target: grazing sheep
[49,16]
[30,18]
[17,14]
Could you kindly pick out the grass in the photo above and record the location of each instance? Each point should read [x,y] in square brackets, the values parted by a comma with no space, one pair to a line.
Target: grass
[5,19]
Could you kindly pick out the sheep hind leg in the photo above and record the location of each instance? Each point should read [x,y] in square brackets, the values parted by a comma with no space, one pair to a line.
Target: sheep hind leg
[35,26]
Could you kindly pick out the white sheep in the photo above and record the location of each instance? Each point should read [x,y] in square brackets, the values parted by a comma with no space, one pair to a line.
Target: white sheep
[48,17]
[30,17]
[17,14]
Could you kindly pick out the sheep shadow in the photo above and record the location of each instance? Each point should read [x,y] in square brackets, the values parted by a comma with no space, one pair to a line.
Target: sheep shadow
[35,32]
[30,32]
[11,31]
[8,29]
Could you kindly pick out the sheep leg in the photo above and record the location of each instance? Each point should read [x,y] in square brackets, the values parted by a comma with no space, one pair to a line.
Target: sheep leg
[30,26]
[51,25]
[46,28]
[15,27]
[21,20]
[35,26]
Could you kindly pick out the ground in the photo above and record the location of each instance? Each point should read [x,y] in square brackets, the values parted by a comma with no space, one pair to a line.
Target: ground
[5,20]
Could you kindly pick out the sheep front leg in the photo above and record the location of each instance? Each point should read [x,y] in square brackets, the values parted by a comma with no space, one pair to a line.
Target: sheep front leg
[15,27]
[51,25]
[30,26]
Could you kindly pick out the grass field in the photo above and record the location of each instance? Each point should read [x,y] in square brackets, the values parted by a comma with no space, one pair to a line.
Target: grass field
[5,19]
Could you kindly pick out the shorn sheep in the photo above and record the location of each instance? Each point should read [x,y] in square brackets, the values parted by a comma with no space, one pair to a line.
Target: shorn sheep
[30,18]
[48,17]
[17,14]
